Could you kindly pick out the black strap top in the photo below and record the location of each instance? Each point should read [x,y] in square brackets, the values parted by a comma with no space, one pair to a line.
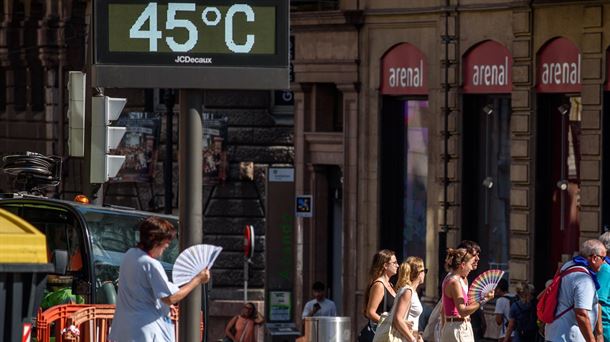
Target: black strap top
[387,302]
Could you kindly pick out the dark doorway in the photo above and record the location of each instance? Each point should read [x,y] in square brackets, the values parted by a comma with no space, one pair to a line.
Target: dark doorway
[557,183]
[486,177]
[404,176]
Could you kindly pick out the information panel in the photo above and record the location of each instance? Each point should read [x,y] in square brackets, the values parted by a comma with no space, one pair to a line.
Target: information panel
[222,44]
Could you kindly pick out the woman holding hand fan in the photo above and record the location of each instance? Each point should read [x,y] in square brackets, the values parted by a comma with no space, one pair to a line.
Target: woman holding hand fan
[456,305]
[145,293]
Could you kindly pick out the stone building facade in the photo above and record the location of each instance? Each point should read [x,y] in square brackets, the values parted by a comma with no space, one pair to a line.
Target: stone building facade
[42,40]
[473,119]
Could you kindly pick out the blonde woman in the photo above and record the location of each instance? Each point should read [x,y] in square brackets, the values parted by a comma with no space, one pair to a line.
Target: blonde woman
[380,294]
[456,307]
[408,306]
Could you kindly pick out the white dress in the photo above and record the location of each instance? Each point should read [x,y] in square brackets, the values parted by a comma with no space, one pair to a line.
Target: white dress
[140,315]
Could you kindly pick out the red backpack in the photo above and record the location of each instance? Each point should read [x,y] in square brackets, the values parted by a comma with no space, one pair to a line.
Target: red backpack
[547,302]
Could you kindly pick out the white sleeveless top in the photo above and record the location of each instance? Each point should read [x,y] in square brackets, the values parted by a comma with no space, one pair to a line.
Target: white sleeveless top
[415,310]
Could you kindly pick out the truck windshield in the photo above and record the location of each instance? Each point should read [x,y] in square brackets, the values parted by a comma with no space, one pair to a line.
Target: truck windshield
[112,233]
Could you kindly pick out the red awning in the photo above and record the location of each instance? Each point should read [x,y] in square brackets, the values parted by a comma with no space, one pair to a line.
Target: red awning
[488,69]
[404,71]
[558,67]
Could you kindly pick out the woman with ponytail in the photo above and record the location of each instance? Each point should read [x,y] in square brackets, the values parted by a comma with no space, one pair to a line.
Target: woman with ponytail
[456,306]
[408,306]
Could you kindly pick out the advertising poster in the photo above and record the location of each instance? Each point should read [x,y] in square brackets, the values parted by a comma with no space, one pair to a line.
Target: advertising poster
[279,306]
[214,149]
[140,146]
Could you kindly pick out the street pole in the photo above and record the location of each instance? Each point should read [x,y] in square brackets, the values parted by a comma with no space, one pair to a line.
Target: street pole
[168,166]
[190,198]
[245,280]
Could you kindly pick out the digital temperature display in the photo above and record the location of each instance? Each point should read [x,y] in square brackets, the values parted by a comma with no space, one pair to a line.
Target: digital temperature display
[187,34]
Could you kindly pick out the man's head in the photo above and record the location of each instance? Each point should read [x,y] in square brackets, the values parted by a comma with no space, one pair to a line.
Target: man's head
[319,290]
[595,252]
[502,288]
[473,249]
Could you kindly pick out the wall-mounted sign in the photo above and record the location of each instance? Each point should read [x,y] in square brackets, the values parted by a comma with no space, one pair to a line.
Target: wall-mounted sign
[304,206]
[488,69]
[404,71]
[191,44]
[281,174]
[558,67]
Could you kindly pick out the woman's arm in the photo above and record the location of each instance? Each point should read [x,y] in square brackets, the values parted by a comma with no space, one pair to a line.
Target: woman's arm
[398,321]
[375,297]
[229,327]
[202,277]
[454,291]
[259,319]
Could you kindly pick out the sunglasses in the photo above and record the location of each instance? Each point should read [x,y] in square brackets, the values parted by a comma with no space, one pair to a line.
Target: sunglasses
[607,260]
[425,270]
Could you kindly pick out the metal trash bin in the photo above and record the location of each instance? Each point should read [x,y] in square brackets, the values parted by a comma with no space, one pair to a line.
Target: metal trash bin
[328,329]
[281,332]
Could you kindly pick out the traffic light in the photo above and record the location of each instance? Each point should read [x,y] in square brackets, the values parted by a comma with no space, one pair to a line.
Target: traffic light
[76,114]
[105,137]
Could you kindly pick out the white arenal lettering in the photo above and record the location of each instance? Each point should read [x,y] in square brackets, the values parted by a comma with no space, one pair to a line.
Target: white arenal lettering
[490,75]
[193,60]
[561,73]
[402,77]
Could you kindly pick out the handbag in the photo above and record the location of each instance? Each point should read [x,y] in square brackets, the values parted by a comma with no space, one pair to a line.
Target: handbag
[367,333]
[386,331]
[431,332]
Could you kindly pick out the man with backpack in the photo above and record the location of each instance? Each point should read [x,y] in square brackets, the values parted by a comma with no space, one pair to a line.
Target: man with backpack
[603,276]
[522,324]
[504,300]
[576,312]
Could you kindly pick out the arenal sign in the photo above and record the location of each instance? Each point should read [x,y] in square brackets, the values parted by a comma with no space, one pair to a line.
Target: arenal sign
[404,71]
[488,69]
[226,44]
[558,67]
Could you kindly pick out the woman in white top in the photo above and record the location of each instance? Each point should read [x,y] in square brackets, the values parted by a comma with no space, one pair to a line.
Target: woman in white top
[411,274]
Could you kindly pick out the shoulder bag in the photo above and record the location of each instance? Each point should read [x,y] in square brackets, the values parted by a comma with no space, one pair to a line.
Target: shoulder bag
[385,331]
[367,333]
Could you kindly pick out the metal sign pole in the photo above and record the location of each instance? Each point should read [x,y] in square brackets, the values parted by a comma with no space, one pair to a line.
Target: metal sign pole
[245,280]
[190,185]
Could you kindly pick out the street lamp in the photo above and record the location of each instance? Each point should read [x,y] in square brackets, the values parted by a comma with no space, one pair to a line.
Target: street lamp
[488,182]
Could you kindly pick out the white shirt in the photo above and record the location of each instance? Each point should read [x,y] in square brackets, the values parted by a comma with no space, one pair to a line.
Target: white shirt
[327,308]
[415,311]
[576,289]
[140,314]
[503,308]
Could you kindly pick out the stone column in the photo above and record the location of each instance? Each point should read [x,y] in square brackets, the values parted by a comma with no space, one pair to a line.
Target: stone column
[448,163]
[302,101]
[591,135]
[522,174]
[351,188]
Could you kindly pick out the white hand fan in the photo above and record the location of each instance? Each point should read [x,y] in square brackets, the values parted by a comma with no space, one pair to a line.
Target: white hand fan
[192,261]
[483,284]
